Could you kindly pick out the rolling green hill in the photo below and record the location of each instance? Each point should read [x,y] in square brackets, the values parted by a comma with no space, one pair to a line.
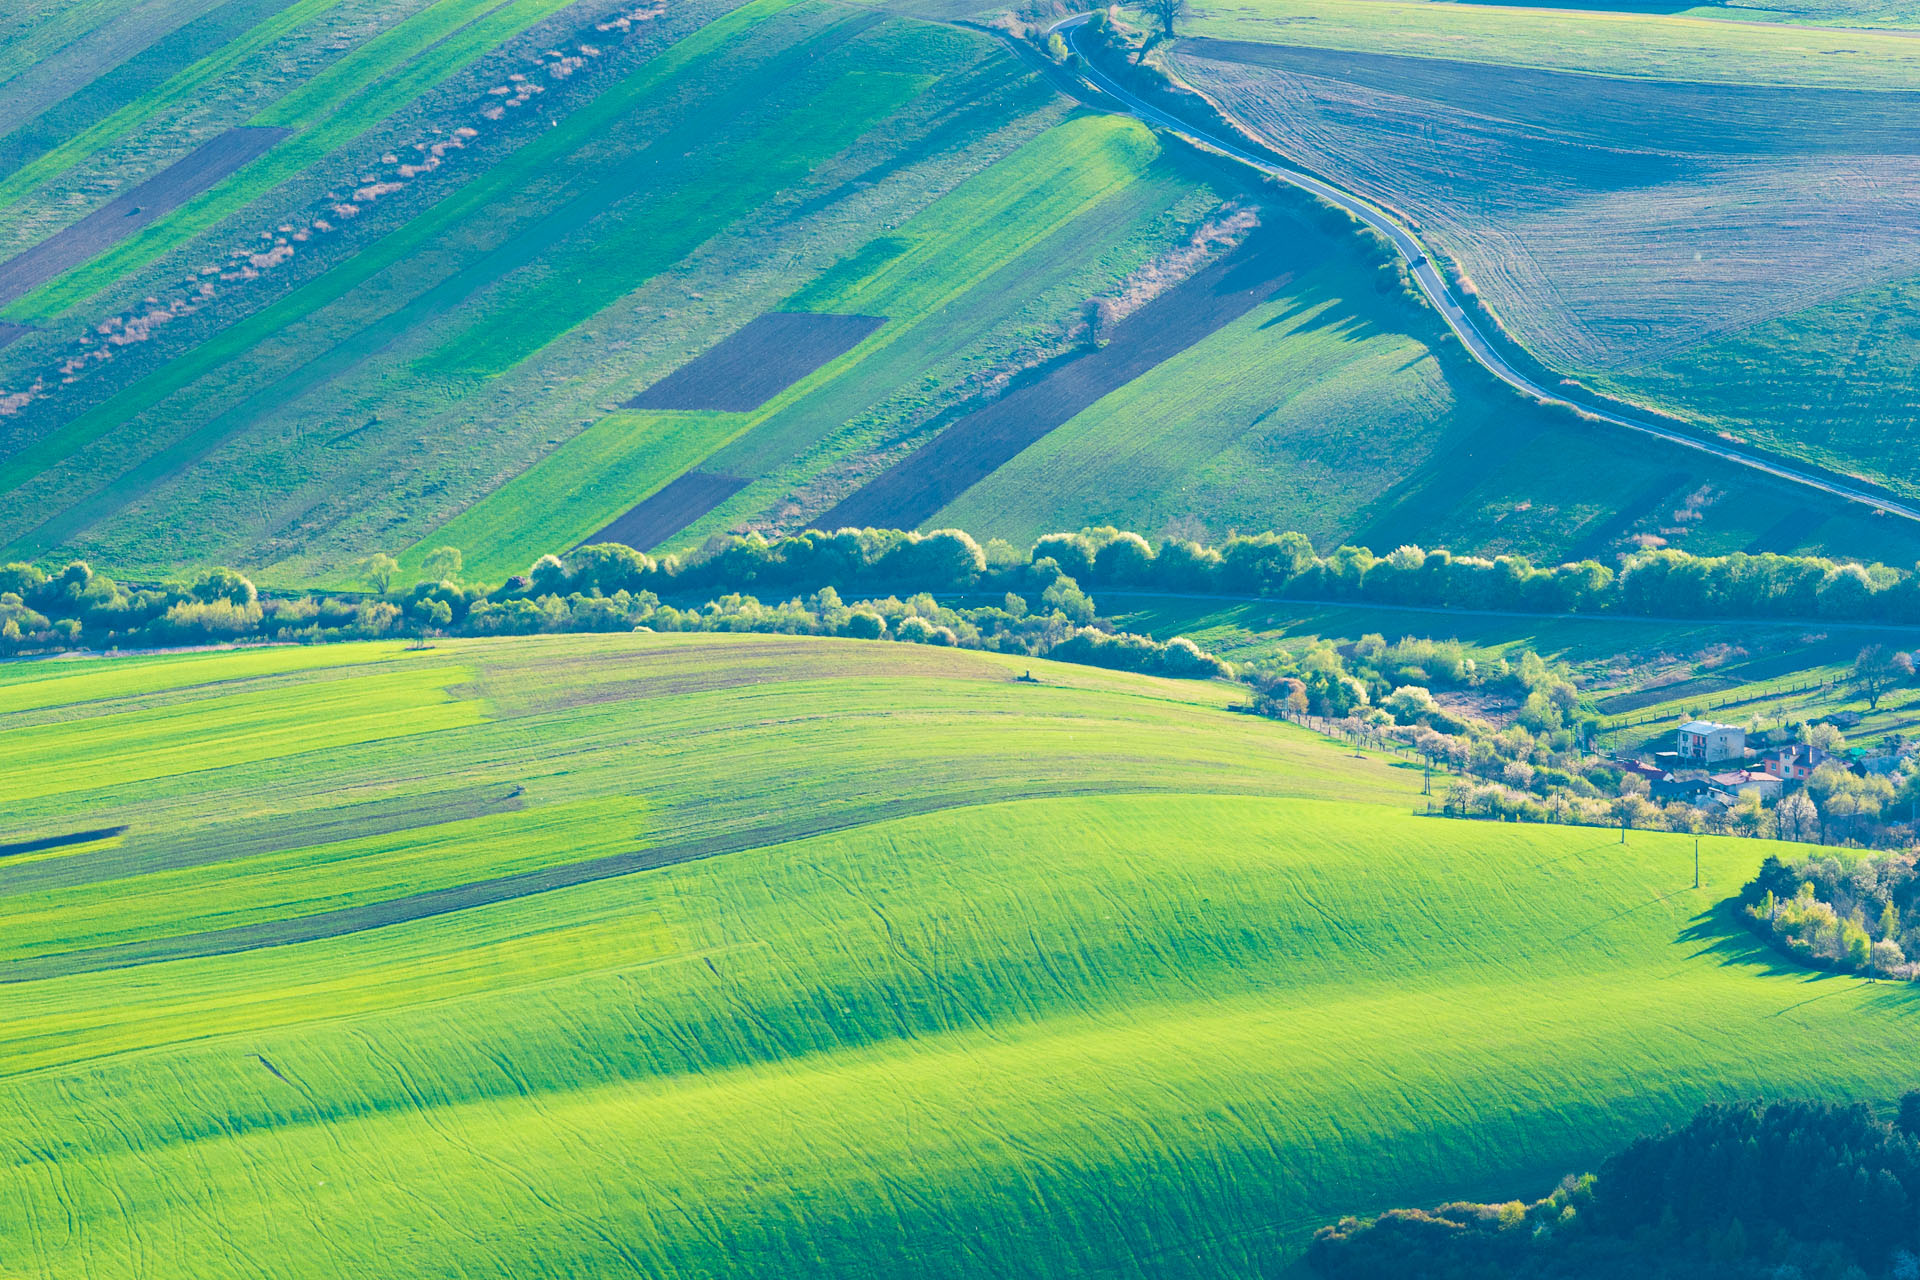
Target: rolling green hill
[695,956]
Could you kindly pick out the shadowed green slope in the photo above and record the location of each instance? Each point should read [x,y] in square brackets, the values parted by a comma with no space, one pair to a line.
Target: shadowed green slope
[1080,978]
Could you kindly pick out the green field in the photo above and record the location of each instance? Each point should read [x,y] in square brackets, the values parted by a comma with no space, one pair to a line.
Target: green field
[446,364]
[913,968]
[1707,217]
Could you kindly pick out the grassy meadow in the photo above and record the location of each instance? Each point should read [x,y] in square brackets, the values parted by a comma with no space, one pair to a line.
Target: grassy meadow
[699,955]
[1704,216]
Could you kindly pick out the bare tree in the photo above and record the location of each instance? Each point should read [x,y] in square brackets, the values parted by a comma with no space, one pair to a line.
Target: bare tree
[1164,13]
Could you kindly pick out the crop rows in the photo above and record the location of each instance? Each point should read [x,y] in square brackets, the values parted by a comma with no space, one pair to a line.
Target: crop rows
[1105,1026]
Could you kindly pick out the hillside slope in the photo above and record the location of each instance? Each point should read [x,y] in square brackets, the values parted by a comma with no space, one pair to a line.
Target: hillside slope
[1712,218]
[283,284]
[696,956]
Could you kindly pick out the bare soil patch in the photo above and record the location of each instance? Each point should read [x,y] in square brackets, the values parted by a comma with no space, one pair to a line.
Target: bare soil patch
[119,218]
[672,509]
[757,362]
[980,442]
[10,332]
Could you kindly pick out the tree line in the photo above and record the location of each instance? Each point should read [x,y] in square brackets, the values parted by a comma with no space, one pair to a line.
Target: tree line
[594,589]
[1787,1191]
[1858,913]
[1659,583]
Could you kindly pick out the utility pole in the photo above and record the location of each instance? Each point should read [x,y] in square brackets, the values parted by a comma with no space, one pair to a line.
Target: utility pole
[1696,860]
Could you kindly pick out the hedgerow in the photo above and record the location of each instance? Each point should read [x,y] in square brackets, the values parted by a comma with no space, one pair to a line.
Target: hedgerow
[600,589]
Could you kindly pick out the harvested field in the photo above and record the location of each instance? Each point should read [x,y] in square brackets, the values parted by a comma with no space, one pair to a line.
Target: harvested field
[10,332]
[107,225]
[1607,221]
[757,362]
[672,509]
[973,447]
[1711,236]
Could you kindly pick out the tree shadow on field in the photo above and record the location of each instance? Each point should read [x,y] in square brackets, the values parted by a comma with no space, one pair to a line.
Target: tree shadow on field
[1338,317]
[1720,932]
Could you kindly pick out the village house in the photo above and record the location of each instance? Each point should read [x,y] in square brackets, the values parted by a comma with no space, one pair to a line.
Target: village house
[1704,742]
[1693,791]
[1794,763]
[1728,787]
[1653,773]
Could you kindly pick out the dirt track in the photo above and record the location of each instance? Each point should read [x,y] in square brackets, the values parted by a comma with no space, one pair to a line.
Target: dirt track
[108,225]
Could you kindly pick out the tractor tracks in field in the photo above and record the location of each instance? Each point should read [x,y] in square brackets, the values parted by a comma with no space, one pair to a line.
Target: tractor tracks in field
[1441,295]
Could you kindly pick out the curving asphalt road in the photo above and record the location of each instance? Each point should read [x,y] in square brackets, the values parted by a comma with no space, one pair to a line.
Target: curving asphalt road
[1443,299]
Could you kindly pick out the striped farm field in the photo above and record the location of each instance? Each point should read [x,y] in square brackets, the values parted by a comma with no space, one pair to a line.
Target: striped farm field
[459,238]
[695,956]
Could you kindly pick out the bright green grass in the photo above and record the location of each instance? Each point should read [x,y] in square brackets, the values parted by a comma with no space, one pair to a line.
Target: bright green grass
[48,50]
[398,247]
[564,267]
[113,749]
[578,489]
[1302,413]
[333,108]
[56,683]
[1153,1022]
[298,882]
[182,87]
[1833,382]
[932,262]
[622,250]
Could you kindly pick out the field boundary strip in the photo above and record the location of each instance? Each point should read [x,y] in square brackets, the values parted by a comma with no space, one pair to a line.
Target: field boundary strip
[119,218]
[481,893]
[490,271]
[320,127]
[42,168]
